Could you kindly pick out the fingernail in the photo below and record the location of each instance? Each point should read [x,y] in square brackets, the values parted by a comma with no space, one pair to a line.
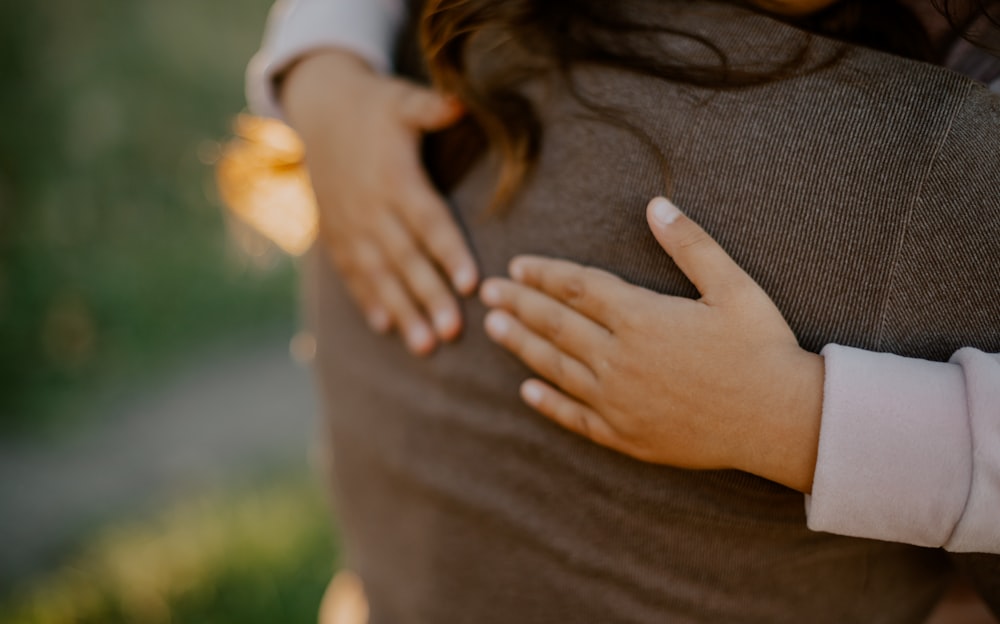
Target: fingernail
[490,294]
[531,393]
[444,321]
[419,338]
[497,324]
[378,320]
[464,279]
[664,211]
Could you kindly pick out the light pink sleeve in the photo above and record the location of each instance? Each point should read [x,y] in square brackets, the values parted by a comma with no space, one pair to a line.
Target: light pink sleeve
[909,450]
[297,27]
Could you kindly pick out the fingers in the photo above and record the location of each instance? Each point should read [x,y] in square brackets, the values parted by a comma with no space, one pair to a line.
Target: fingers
[703,261]
[540,355]
[374,284]
[392,238]
[420,277]
[423,210]
[591,292]
[569,331]
[364,295]
[418,336]
[428,110]
[436,230]
[565,411]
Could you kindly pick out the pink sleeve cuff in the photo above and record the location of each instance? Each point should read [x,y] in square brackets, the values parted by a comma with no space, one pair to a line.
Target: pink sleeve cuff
[297,27]
[895,448]
[979,528]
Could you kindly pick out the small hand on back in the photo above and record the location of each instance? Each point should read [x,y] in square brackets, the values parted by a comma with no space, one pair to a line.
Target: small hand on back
[389,234]
[717,382]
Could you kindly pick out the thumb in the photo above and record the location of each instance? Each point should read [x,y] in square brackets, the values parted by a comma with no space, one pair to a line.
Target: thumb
[429,110]
[703,261]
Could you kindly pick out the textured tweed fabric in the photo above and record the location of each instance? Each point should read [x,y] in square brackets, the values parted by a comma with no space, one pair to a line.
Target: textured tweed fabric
[864,196]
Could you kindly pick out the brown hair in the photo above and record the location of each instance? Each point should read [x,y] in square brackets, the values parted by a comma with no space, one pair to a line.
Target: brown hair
[563,34]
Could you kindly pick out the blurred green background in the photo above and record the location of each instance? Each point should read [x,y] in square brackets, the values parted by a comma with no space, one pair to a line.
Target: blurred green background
[114,254]
[255,556]
[119,269]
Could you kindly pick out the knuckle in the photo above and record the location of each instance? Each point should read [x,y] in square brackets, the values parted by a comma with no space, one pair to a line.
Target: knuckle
[580,421]
[407,257]
[367,258]
[629,429]
[514,340]
[605,366]
[555,365]
[574,289]
[527,272]
[553,325]
[692,239]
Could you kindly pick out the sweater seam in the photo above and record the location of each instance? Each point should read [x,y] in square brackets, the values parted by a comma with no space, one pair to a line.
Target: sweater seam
[897,256]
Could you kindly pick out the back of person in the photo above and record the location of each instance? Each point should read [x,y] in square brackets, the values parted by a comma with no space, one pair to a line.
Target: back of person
[864,196]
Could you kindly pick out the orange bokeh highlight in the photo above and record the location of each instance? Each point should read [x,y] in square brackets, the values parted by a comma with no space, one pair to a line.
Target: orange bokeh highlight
[263,181]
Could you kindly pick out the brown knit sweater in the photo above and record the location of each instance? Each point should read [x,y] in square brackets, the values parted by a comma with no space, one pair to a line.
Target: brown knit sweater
[865,198]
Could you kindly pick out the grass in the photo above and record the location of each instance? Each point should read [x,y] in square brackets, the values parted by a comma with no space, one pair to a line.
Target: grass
[258,556]
[115,255]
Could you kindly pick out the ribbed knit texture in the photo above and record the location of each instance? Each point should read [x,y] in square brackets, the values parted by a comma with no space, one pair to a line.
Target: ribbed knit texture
[862,197]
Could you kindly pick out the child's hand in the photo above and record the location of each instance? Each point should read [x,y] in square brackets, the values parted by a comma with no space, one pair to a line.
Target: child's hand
[718,382]
[388,232]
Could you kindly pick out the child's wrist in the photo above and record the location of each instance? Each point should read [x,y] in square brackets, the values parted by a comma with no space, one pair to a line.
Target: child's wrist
[304,88]
[782,439]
